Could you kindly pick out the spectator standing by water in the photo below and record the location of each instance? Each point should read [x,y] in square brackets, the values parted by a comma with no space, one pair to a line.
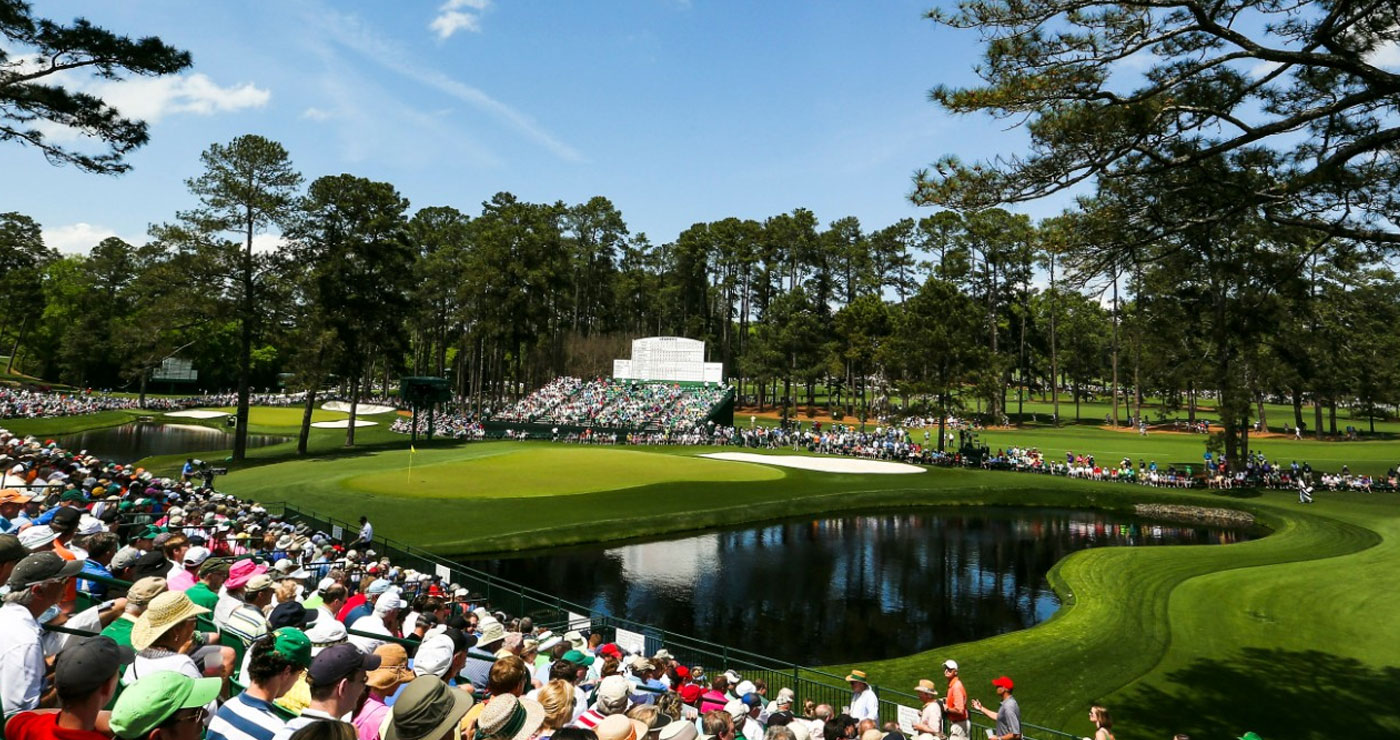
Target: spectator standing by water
[1103,723]
[955,704]
[930,724]
[1008,715]
[864,704]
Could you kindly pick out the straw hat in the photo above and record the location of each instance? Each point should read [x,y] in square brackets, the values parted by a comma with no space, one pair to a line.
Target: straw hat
[393,670]
[619,727]
[491,631]
[166,611]
[508,718]
[926,687]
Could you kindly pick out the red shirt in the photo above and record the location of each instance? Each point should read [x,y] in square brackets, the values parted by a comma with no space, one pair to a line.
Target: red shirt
[44,726]
[350,605]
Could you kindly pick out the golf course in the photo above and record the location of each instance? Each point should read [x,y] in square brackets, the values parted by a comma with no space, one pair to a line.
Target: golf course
[1175,638]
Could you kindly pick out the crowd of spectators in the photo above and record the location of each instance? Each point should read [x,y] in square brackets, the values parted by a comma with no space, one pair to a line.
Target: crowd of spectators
[617,404]
[19,403]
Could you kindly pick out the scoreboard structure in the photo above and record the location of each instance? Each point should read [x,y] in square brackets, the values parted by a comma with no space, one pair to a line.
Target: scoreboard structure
[668,358]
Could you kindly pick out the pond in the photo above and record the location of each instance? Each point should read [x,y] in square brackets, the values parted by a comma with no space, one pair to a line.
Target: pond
[839,590]
[131,442]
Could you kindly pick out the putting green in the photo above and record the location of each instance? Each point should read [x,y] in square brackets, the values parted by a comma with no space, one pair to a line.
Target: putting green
[551,471]
[288,416]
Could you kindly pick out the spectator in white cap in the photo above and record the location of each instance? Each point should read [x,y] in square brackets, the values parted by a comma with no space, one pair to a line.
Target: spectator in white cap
[183,576]
[955,703]
[384,620]
[612,698]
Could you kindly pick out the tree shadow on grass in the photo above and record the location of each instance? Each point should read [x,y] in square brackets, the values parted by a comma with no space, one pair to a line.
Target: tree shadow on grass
[1276,693]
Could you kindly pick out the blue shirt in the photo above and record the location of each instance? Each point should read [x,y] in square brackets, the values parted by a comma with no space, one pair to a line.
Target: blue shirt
[97,590]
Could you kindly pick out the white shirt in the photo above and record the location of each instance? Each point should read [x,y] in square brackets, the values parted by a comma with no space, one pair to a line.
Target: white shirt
[864,705]
[372,624]
[145,666]
[21,659]
[367,533]
[225,607]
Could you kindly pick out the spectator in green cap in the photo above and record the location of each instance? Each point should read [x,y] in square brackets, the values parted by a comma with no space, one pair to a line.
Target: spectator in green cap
[164,706]
[277,660]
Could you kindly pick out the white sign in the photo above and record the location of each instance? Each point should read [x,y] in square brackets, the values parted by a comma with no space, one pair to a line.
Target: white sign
[581,623]
[337,533]
[443,572]
[907,717]
[634,643]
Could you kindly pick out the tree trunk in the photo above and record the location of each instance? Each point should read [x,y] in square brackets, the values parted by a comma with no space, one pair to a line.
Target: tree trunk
[307,408]
[354,407]
[1317,417]
[245,345]
[1297,408]
[1114,384]
[14,350]
[1263,415]
[1332,416]
[1054,350]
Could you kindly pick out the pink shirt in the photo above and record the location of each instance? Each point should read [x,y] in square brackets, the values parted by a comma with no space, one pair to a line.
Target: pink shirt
[179,579]
[368,719]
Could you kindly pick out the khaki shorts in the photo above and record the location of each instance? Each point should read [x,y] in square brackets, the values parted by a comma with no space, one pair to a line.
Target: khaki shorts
[960,730]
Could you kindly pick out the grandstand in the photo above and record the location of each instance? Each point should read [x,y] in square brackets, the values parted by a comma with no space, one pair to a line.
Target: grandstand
[666,386]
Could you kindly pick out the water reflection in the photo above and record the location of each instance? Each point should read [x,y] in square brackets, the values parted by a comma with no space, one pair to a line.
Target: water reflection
[838,590]
[131,442]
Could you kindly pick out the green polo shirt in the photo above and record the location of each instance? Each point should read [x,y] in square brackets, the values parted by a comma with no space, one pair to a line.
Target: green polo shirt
[120,630]
[200,594]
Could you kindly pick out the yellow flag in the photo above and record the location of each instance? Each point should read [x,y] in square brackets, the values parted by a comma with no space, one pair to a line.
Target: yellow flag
[411,450]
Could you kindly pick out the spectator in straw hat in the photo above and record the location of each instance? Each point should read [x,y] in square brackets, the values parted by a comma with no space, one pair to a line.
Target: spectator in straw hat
[161,636]
[427,709]
[381,683]
[930,723]
[508,717]
[864,704]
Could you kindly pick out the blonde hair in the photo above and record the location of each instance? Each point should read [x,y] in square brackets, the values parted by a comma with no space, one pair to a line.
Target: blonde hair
[286,591]
[644,713]
[1100,713]
[557,698]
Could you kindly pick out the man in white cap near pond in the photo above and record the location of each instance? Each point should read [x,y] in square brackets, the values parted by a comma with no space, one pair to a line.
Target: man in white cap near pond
[955,703]
[864,704]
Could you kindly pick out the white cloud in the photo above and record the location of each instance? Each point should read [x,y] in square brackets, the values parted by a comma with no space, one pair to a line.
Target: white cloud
[267,242]
[151,99]
[81,237]
[458,15]
[351,33]
[1386,56]
[316,114]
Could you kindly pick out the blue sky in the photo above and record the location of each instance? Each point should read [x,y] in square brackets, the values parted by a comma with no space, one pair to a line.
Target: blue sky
[677,111]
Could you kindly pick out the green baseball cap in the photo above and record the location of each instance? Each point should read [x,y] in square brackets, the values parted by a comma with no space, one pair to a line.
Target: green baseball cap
[292,644]
[578,657]
[1251,736]
[152,700]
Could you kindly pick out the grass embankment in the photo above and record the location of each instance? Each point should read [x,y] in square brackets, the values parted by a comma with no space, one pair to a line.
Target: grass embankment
[70,424]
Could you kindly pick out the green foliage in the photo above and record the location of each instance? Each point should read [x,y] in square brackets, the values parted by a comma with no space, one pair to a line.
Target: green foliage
[37,53]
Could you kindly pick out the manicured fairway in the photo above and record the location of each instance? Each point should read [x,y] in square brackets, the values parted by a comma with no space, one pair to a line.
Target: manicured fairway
[289,416]
[547,471]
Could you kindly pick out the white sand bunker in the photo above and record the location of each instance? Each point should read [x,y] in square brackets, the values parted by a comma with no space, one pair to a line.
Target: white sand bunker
[820,464]
[364,409]
[342,423]
[198,414]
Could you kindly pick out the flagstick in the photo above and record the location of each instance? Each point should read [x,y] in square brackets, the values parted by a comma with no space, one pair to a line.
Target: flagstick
[410,464]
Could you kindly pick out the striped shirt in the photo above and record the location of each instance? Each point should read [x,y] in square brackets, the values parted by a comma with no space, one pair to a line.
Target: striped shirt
[245,718]
[246,623]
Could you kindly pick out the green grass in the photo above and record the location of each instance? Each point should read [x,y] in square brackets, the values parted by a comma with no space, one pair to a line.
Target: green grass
[68,424]
[290,416]
[1174,639]
[544,472]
